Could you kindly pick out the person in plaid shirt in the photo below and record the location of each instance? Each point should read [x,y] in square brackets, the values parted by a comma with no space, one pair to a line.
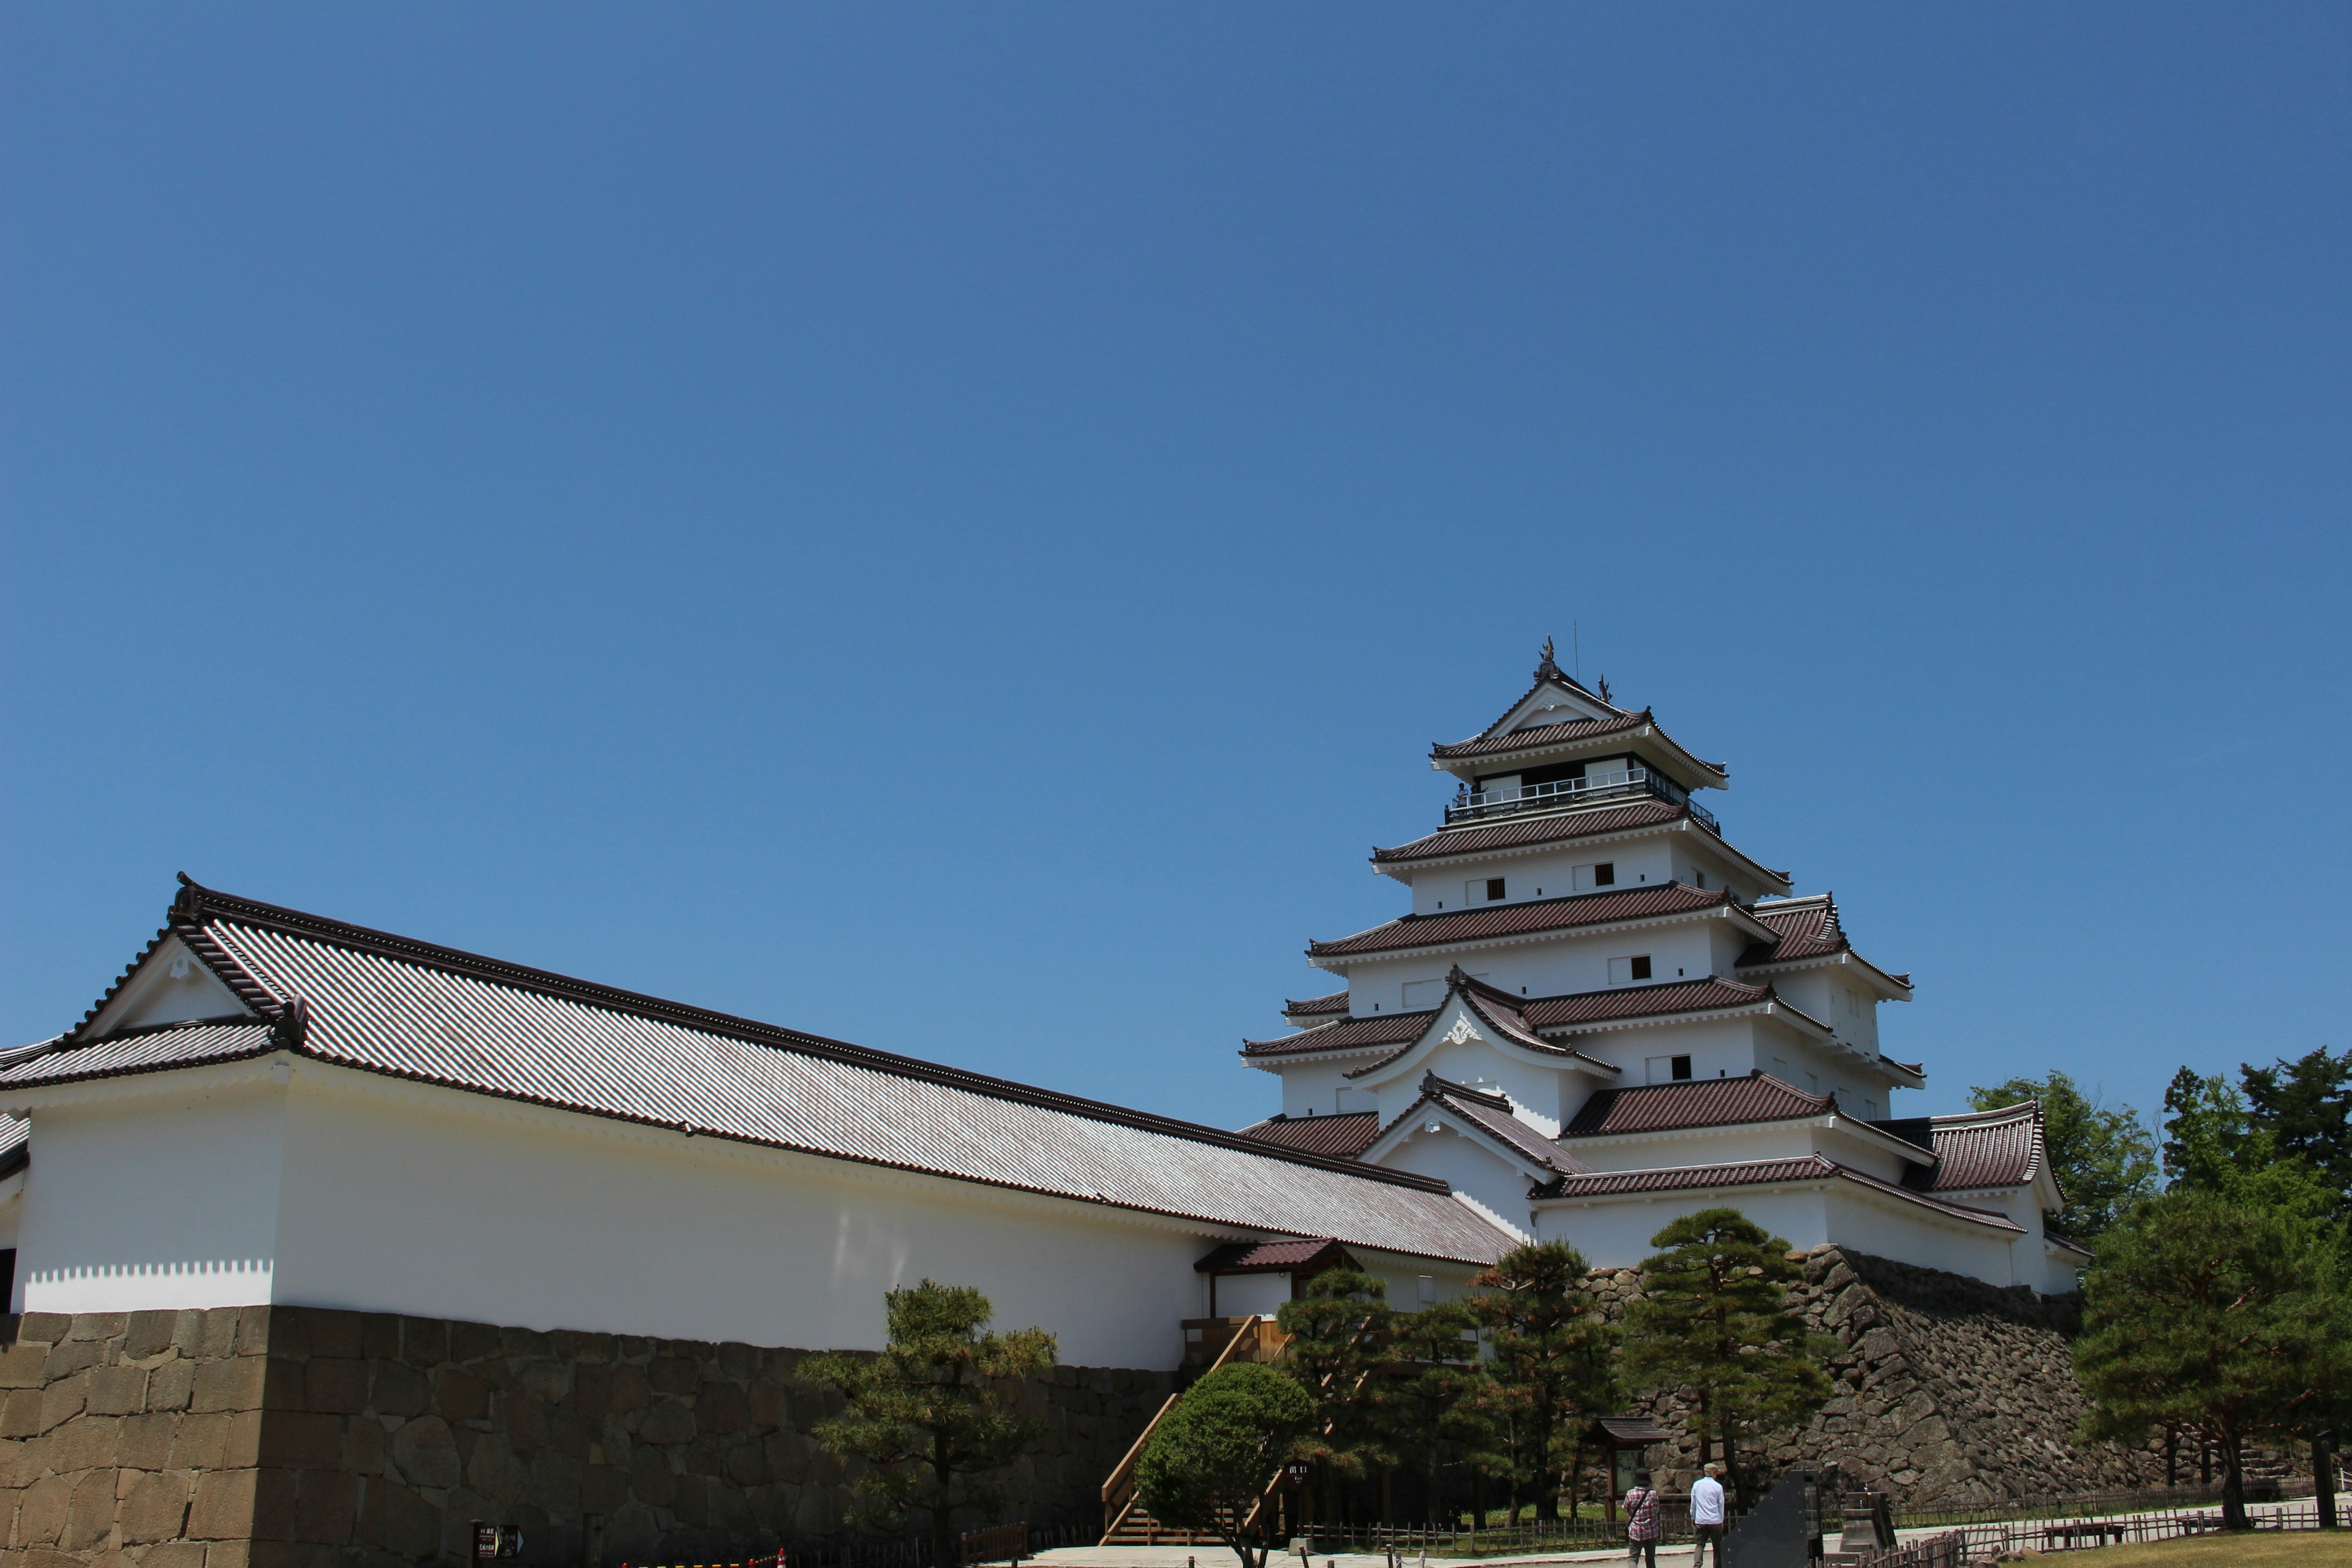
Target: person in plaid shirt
[1641,1520]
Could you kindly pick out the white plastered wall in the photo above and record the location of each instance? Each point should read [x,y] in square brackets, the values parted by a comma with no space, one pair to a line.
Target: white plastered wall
[223,1186]
[162,1194]
[1616,1235]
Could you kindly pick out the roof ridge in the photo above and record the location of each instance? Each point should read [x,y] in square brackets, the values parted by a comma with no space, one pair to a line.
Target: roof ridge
[1432,1084]
[456,961]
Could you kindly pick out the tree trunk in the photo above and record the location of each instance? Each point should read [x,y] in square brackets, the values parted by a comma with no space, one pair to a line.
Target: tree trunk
[943,1539]
[2233,1481]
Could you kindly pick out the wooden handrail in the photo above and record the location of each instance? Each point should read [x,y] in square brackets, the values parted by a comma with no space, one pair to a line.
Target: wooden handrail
[1120,1486]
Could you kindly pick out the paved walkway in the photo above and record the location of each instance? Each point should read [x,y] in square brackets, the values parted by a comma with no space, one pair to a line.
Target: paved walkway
[1677,1556]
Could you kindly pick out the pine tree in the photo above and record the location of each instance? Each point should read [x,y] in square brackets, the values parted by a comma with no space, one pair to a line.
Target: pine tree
[1433,1399]
[1548,1349]
[923,1414]
[1210,1458]
[1339,1340]
[1713,1321]
[2206,1314]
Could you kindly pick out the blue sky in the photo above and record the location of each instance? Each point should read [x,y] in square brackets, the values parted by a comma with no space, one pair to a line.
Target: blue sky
[955,527]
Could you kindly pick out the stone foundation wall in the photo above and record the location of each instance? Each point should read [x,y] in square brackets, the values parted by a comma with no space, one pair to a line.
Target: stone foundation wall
[1948,1391]
[297,1438]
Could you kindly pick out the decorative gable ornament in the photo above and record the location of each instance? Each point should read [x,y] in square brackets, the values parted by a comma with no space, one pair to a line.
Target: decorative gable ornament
[1461,1034]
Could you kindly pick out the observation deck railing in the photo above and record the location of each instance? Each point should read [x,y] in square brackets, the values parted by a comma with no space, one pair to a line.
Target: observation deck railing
[1626,783]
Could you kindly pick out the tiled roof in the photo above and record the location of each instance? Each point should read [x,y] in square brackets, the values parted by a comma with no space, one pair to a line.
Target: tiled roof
[1345,1135]
[1694,1102]
[15,1149]
[1807,928]
[1519,832]
[1535,915]
[1492,1114]
[1987,1148]
[1755,1173]
[1317,1006]
[1500,1012]
[1537,735]
[147,1050]
[1623,1002]
[1380,1029]
[387,1004]
[1272,1257]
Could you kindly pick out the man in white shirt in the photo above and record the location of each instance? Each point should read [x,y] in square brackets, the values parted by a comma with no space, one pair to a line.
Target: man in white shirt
[1707,1515]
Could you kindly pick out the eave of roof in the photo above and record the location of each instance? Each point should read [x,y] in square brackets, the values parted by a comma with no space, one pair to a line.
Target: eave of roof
[1344,1134]
[1579,735]
[1491,1116]
[1532,920]
[1807,1168]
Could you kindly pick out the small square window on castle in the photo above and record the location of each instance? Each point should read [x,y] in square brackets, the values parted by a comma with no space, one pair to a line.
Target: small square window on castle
[1494,889]
[1625,971]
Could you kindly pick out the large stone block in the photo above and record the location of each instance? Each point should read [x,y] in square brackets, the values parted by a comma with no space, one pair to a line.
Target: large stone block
[236,1383]
[89,1514]
[149,1335]
[85,1443]
[425,1453]
[99,1325]
[459,1396]
[171,1384]
[20,1413]
[154,1508]
[394,1518]
[22,1366]
[325,1507]
[335,1383]
[41,1516]
[301,1439]
[117,1390]
[223,1506]
[145,1442]
[399,1389]
[43,1327]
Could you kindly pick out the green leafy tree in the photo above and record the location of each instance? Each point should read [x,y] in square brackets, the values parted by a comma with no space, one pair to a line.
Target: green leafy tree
[2214,1142]
[2103,1156]
[2204,1313]
[1339,1340]
[1433,1400]
[1210,1459]
[2206,1133]
[1713,1321]
[924,1414]
[1549,1357]
[2305,1107]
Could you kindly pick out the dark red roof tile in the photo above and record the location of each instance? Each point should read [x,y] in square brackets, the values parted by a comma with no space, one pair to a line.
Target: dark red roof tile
[1755,1173]
[1642,1001]
[1315,1006]
[1274,1256]
[1987,1148]
[1380,1029]
[1519,832]
[1695,1103]
[1492,1114]
[1523,919]
[1537,735]
[1345,1135]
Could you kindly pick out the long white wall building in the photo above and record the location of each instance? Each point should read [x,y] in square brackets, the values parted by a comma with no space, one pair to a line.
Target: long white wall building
[1596,1014]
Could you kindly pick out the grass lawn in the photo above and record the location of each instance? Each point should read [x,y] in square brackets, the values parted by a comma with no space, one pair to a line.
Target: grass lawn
[2303,1548]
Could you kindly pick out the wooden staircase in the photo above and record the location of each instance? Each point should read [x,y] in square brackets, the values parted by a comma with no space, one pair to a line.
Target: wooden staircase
[1125,1522]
